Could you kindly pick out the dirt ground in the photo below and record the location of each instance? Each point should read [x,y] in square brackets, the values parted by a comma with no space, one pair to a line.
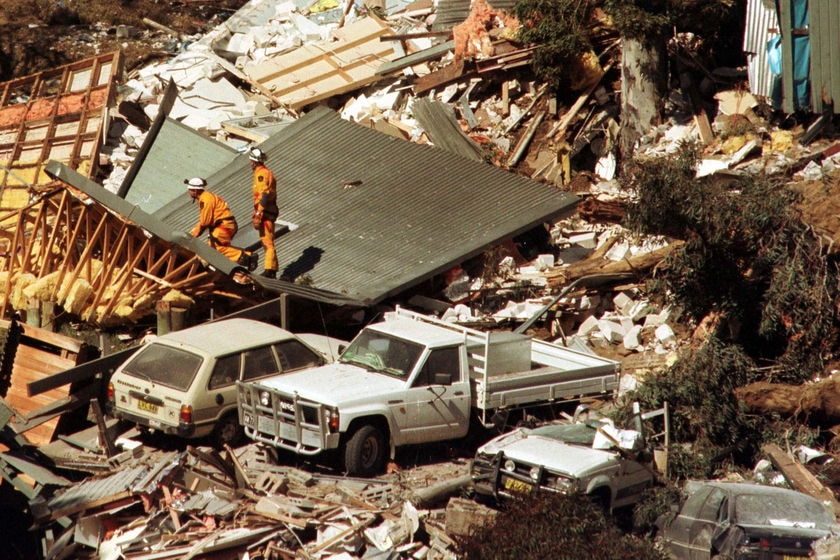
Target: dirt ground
[43,34]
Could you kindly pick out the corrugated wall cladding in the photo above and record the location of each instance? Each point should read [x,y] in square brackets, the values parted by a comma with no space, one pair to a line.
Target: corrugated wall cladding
[761,19]
[376,214]
[825,53]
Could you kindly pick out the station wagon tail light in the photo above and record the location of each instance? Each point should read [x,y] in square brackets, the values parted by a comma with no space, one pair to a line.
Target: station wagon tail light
[111,392]
[186,414]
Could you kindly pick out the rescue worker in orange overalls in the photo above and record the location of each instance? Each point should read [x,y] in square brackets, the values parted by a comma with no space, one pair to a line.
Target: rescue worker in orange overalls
[265,212]
[215,215]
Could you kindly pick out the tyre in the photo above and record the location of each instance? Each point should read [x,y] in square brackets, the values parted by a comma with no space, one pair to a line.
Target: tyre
[364,453]
[227,431]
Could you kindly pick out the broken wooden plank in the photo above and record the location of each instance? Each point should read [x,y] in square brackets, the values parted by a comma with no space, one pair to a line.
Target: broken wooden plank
[800,477]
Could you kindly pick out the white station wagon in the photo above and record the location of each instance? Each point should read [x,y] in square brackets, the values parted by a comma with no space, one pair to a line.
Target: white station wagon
[184,382]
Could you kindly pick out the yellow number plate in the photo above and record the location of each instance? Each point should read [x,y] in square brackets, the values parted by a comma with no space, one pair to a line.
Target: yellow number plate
[147,407]
[517,485]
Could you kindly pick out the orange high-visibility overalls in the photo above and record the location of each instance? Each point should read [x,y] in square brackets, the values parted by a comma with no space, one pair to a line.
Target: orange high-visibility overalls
[265,212]
[215,215]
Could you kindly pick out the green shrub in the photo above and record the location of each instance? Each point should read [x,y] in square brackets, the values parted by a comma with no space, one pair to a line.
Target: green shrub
[747,254]
[547,525]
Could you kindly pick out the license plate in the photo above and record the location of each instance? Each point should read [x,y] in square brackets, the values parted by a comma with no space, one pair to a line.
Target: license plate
[147,407]
[515,485]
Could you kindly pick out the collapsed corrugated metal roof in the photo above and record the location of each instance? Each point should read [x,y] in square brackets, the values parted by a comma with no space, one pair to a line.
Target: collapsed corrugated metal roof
[371,215]
[152,225]
[161,181]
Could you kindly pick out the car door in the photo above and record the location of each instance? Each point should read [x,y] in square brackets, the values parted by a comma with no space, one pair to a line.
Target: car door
[220,390]
[676,533]
[633,478]
[436,406]
[702,531]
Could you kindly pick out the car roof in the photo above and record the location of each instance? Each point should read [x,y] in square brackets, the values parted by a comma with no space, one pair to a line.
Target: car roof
[743,488]
[226,335]
[418,331]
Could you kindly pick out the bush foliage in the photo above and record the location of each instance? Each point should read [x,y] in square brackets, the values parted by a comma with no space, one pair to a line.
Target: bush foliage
[747,255]
[547,525]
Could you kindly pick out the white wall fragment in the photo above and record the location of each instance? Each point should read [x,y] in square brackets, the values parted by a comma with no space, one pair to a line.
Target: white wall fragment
[665,335]
[622,303]
[639,309]
[632,339]
[611,330]
[588,325]
[587,239]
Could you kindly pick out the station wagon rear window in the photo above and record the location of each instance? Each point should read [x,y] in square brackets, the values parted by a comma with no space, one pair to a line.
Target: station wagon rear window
[165,365]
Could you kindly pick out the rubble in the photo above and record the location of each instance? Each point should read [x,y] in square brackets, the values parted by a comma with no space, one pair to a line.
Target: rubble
[241,83]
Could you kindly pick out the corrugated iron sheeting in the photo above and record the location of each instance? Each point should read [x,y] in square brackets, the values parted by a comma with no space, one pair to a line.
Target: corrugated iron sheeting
[375,215]
[825,53]
[168,164]
[127,481]
[761,18]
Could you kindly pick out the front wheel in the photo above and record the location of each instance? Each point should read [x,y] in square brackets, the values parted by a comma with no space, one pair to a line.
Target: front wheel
[227,431]
[364,453]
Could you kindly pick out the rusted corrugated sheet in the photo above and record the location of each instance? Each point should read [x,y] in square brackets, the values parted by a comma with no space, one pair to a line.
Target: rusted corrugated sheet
[825,53]
[762,24]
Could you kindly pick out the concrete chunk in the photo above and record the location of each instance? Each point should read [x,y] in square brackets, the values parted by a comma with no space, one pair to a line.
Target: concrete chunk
[631,340]
[611,330]
[623,303]
[589,324]
[665,335]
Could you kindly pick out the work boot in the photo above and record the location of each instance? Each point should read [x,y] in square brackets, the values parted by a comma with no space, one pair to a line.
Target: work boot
[269,274]
[248,260]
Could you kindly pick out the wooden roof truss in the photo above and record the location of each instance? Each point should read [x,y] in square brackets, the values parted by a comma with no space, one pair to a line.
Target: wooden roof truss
[61,243]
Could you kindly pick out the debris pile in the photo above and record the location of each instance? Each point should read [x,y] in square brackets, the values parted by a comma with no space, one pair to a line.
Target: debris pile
[184,504]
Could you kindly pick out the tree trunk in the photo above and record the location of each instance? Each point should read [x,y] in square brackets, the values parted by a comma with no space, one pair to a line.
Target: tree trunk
[643,79]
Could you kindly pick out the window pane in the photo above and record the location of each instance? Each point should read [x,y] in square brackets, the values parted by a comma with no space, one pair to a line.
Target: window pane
[225,372]
[166,365]
[294,355]
[258,363]
[441,360]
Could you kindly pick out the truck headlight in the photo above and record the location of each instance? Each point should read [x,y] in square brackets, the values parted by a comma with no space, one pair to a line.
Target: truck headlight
[265,398]
[560,484]
[509,465]
[535,473]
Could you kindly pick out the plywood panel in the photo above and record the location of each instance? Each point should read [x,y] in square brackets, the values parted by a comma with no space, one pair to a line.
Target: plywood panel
[39,354]
[316,71]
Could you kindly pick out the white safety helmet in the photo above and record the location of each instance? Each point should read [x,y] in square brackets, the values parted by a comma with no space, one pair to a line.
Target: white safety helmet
[195,184]
[255,154]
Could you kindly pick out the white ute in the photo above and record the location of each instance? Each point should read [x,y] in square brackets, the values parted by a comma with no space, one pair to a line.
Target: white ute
[182,383]
[413,379]
[583,456]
